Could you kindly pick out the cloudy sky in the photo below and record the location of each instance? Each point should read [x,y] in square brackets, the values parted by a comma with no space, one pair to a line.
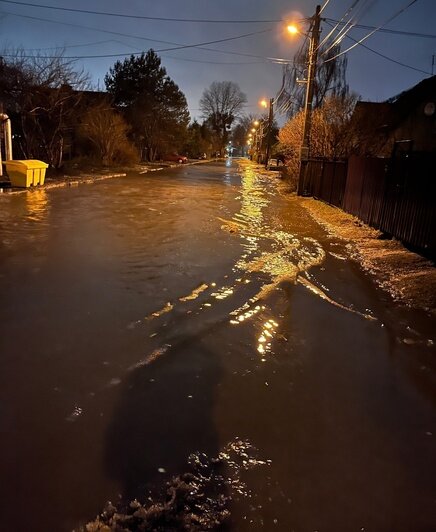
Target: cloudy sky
[255,29]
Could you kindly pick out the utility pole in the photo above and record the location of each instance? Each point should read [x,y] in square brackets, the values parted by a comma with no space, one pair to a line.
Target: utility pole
[269,130]
[313,56]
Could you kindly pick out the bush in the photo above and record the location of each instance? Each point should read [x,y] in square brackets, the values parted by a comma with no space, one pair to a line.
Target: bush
[106,131]
[126,154]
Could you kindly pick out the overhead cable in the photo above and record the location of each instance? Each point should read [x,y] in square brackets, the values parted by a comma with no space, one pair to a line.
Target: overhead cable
[177,47]
[387,30]
[139,37]
[341,21]
[372,32]
[139,17]
[390,58]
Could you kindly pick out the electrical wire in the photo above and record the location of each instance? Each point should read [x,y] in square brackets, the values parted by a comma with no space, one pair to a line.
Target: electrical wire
[138,17]
[240,63]
[356,11]
[387,30]
[135,48]
[389,58]
[347,12]
[110,32]
[178,47]
[324,6]
[372,32]
[107,41]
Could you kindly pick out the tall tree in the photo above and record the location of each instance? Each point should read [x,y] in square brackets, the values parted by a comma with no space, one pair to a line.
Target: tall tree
[330,79]
[221,104]
[153,105]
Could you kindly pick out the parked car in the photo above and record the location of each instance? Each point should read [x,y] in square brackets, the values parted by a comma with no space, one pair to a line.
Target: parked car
[275,164]
[181,159]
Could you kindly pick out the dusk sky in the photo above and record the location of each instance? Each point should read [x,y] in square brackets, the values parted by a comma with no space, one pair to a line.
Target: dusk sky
[370,75]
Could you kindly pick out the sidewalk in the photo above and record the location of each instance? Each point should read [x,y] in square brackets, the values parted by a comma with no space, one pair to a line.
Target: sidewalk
[407,276]
[93,176]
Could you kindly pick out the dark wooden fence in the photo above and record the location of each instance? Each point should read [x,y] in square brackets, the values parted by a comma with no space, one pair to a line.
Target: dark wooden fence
[397,196]
[327,180]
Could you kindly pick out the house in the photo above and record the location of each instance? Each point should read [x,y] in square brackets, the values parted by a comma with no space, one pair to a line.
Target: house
[406,121]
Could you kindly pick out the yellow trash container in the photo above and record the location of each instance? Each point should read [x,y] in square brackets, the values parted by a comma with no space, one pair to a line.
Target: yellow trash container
[26,173]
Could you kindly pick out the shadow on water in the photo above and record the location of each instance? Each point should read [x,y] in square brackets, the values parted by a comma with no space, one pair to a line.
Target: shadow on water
[164,415]
[161,444]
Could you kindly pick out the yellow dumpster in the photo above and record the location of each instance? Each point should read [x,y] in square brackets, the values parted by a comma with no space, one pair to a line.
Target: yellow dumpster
[26,173]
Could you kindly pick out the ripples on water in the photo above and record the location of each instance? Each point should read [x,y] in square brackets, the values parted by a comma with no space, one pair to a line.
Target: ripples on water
[195,500]
[270,256]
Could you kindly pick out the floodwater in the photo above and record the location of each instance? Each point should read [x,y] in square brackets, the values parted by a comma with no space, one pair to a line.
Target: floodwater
[153,325]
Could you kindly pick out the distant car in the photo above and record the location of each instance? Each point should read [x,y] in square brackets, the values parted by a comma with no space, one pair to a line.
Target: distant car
[202,156]
[275,164]
[181,159]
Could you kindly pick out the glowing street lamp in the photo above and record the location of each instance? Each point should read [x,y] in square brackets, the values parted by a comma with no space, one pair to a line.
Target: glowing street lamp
[292,29]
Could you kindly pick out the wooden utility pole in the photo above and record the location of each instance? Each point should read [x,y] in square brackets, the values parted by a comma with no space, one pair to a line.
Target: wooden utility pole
[269,131]
[311,73]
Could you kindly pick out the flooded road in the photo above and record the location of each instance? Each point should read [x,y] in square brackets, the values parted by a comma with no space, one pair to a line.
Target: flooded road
[156,324]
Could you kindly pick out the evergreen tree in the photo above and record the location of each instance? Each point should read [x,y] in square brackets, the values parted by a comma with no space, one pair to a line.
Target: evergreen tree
[153,105]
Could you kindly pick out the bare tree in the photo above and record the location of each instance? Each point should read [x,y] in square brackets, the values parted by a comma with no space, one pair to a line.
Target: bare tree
[329,136]
[107,131]
[220,104]
[40,93]
[330,79]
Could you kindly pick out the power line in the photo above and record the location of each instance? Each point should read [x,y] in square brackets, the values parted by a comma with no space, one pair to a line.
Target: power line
[372,32]
[213,62]
[387,30]
[178,45]
[389,58]
[340,21]
[73,46]
[346,27]
[324,5]
[163,55]
[141,17]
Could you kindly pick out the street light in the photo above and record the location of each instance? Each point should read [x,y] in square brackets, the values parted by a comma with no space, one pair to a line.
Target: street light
[292,29]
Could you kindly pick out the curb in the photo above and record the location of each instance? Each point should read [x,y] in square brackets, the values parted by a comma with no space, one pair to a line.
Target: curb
[76,181]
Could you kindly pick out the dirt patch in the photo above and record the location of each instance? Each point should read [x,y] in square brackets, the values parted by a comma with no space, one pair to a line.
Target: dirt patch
[407,276]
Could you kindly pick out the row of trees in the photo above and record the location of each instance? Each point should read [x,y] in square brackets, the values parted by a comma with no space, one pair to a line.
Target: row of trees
[142,114]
